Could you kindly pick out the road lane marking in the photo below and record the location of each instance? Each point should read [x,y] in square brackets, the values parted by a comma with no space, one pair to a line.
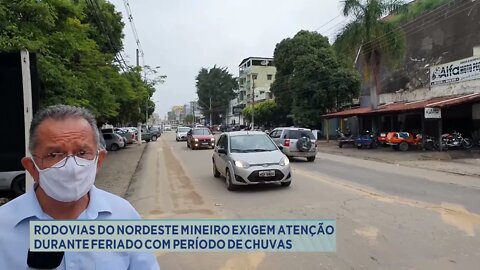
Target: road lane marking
[451,214]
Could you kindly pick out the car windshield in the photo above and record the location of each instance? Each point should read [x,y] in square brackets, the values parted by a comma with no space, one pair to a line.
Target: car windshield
[183,129]
[251,143]
[297,134]
[202,131]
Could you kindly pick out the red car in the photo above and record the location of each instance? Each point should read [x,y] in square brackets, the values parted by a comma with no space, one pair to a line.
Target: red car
[200,138]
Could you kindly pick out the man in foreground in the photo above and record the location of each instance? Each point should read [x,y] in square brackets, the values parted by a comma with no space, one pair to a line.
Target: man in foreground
[66,154]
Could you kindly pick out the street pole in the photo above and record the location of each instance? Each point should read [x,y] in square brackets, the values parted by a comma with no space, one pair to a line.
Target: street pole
[210,111]
[253,101]
[139,128]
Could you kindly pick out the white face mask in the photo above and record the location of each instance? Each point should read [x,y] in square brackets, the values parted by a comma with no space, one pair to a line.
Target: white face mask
[70,182]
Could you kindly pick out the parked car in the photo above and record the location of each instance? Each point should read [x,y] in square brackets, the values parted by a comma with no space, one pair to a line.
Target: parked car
[403,140]
[128,136]
[296,142]
[181,134]
[113,141]
[366,139]
[157,131]
[250,158]
[13,181]
[167,128]
[148,135]
[382,138]
[200,138]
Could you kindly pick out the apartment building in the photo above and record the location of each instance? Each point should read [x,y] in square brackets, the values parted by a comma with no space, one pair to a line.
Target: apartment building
[256,74]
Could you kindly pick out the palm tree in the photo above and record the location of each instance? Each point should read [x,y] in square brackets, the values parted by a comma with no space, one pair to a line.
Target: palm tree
[371,36]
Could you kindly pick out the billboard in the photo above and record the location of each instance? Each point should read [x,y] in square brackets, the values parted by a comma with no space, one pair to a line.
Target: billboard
[456,71]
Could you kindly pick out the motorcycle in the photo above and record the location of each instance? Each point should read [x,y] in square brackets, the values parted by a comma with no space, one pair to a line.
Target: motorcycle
[454,140]
[430,143]
[345,138]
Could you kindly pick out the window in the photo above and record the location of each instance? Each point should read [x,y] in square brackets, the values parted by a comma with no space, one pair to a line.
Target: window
[269,77]
[297,134]
[224,144]
[220,141]
[107,136]
[201,131]
[251,143]
[276,134]
[254,76]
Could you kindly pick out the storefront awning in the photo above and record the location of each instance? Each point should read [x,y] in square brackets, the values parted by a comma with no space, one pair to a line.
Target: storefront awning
[399,107]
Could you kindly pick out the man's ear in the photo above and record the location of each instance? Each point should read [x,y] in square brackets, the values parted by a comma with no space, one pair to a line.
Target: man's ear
[27,163]
[102,154]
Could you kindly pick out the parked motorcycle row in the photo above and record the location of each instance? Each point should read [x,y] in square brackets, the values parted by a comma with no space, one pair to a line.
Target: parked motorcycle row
[404,141]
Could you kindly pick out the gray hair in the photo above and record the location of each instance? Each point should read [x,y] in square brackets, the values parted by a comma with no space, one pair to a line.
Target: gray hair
[61,112]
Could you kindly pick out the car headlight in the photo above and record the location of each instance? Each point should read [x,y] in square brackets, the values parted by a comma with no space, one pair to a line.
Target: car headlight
[196,139]
[284,161]
[242,164]
[212,139]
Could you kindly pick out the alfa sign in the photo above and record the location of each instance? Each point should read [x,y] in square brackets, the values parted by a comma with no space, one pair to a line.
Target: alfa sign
[433,113]
[456,71]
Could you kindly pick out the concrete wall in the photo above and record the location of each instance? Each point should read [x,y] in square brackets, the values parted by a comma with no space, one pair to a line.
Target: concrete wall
[446,34]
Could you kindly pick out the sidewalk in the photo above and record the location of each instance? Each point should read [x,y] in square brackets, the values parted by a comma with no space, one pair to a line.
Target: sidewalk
[118,169]
[452,161]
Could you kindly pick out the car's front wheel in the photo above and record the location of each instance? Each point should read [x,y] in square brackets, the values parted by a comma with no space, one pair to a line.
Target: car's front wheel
[18,185]
[114,147]
[154,138]
[228,181]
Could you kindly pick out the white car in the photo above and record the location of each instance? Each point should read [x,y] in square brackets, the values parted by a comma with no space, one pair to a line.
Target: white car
[181,134]
[13,181]
[250,158]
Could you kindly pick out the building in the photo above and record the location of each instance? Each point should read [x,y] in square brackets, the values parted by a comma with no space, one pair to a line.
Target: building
[256,75]
[441,70]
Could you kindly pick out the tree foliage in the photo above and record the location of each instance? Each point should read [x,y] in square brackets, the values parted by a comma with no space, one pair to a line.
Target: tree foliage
[76,56]
[219,85]
[378,38]
[190,119]
[310,79]
[266,113]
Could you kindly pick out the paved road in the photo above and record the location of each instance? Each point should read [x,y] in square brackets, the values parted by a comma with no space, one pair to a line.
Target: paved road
[388,217]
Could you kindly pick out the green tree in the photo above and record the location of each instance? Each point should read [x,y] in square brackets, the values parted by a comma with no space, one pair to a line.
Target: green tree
[190,119]
[218,85]
[75,58]
[310,79]
[380,40]
[266,113]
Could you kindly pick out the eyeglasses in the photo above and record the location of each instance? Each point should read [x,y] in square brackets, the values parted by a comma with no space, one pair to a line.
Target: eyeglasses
[58,160]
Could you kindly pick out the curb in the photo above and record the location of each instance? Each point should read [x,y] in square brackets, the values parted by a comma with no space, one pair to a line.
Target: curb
[128,191]
[405,165]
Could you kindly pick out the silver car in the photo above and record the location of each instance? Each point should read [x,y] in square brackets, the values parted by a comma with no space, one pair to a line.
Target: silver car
[296,142]
[181,134]
[13,181]
[249,158]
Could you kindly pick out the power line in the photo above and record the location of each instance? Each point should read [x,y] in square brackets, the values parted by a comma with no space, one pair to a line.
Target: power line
[369,47]
[325,24]
[134,30]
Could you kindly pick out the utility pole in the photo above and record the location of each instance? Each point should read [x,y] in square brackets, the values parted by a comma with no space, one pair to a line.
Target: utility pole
[139,128]
[253,101]
[210,110]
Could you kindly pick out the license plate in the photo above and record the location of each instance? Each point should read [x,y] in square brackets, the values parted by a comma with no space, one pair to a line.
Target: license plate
[205,143]
[266,173]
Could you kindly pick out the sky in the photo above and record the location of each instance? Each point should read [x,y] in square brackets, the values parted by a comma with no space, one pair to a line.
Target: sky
[182,36]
